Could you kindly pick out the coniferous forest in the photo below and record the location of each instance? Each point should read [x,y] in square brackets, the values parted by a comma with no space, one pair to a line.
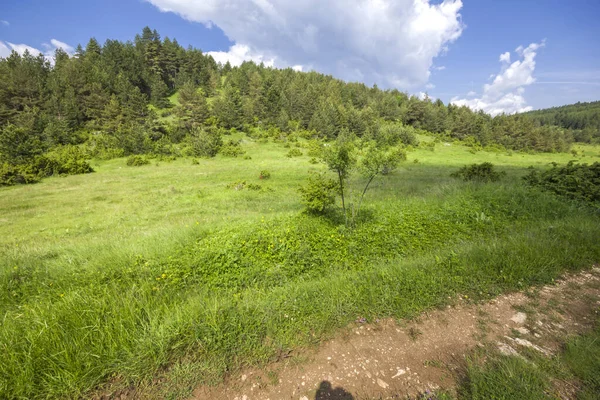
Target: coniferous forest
[152,96]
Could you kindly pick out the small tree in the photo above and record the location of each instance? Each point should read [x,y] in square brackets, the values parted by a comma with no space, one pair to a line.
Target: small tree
[377,161]
[205,142]
[319,193]
[339,157]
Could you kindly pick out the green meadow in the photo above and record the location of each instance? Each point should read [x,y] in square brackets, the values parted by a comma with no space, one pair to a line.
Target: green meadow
[173,274]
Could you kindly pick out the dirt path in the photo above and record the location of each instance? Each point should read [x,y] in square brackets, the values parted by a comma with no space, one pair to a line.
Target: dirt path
[386,360]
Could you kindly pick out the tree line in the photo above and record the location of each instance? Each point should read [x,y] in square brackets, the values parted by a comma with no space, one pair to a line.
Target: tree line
[583,119]
[151,94]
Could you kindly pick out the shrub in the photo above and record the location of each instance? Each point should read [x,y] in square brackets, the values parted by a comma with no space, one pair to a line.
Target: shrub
[319,193]
[428,145]
[205,142]
[294,153]
[264,174]
[15,175]
[232,149]
[253,186]
[483,172]
[239,185]
[390,134]
[136,161]
[68,160]
[315,148]
[575,181]
[195,161]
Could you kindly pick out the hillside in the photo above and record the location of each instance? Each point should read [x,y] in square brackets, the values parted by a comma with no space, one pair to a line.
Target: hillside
[582,118]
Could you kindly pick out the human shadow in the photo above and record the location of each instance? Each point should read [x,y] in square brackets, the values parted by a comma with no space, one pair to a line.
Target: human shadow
[327,392]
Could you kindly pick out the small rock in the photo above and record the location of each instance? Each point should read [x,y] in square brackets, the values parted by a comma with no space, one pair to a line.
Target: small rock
[244,377]
[519,318]
[400,372]
[382,383]
[303,398]
[522,331]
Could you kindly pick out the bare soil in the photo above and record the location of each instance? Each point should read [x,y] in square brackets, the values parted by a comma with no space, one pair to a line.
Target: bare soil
[390,360]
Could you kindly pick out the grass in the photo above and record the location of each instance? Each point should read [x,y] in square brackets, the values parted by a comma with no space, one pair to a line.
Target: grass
[490,375]
[163,277]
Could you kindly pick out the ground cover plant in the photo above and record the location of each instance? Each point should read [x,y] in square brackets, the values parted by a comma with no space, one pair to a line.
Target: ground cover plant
[165,272]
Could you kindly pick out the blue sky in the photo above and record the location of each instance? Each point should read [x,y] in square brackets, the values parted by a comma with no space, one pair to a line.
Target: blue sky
[450,49]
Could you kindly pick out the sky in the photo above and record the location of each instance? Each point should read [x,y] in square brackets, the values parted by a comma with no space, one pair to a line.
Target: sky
[497,56]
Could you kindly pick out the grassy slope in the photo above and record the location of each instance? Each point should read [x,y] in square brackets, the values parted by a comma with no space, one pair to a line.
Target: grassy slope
[92,292]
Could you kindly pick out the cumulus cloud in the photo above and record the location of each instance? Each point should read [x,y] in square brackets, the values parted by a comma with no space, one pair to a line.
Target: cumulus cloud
[505,93]
[389,42]
[49,48]
[237,54]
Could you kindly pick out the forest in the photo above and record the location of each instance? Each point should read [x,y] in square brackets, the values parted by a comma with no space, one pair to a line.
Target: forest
[152,96]
[582,119]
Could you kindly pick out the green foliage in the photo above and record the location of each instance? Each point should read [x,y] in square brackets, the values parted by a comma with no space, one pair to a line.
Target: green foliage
[66,160]
[294,153]
[391,134]
[137,161]
[205,142]
[483,172]
[319,193]
[575,181]
[232,148]
[264,174]
[17,174]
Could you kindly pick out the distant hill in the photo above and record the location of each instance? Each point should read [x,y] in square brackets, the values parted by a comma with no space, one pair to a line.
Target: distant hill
[582,118]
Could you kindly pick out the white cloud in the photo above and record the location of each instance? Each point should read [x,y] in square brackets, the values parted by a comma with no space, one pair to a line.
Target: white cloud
[471,94]
[4,22]
[430,86]
[4,50]
[440,68]
[57,44]
[388,42]
[21,48]
[7,47]
[237,54]
[505,93]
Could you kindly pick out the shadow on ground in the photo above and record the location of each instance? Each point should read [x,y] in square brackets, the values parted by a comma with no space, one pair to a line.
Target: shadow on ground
[326,391]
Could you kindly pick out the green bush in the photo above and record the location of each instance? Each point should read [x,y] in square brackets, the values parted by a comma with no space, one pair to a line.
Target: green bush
[67,160]
[575,181]
[319,193]
[483,172]
[294,153]
[391,134]
[205,142]
[232,149]
[264,174]
[16,175]
[136,161]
